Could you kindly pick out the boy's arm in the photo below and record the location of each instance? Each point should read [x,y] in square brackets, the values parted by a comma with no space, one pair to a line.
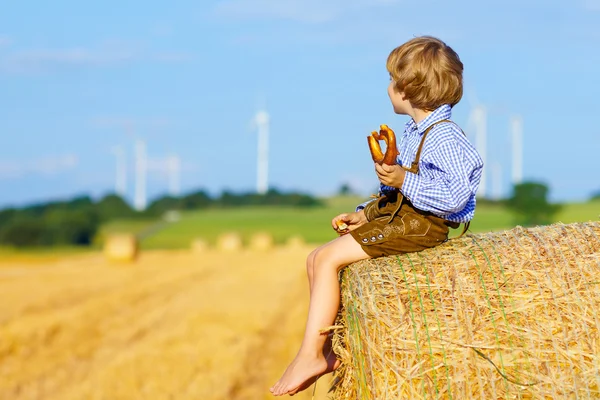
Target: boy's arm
[447,187]
[390,175]
[362,206]
[382,189]
[348,222]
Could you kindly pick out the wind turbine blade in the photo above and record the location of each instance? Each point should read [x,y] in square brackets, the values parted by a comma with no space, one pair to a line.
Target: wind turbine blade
[140,175]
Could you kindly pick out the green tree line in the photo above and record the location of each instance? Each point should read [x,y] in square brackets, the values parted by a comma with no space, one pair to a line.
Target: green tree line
[76,221]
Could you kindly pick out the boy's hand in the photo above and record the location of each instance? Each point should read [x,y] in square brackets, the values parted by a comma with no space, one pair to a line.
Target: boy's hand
[390,175]
[352,220]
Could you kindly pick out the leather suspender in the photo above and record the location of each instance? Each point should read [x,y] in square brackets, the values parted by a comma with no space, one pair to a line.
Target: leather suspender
[414,167]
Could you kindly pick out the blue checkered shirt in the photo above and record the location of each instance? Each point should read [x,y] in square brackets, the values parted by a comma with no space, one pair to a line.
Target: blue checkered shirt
[449,169]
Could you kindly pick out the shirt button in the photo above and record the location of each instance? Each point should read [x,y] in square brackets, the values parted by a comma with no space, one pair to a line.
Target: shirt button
[365,240]
[373,239]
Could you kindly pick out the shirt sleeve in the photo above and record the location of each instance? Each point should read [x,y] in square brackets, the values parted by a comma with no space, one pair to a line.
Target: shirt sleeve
[443,185]
[361,206]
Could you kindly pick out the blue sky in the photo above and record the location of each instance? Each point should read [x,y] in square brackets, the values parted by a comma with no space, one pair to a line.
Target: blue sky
[78,78]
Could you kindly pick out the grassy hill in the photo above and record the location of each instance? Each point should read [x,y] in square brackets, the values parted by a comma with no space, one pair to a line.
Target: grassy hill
[312,224]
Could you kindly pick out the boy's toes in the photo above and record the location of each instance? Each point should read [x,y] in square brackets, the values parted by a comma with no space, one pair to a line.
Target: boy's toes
[273,388]
[284,390]
[278,391]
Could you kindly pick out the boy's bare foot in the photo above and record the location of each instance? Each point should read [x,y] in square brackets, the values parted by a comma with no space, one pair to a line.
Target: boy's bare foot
[301,370]
[332,364]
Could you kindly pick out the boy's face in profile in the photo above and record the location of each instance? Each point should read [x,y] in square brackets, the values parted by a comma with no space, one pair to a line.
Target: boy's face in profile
[399,102]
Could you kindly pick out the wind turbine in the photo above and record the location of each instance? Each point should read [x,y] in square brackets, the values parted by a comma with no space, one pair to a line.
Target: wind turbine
[140,168]
[140,201]
[478,121]
[261,121]
[120,171]
[516,129]
[140,160]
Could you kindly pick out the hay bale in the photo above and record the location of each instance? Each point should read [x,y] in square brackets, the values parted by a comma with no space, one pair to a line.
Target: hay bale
[500,315]
[261,241]
[121,247]
[295,242]
[199,245]
[229,242]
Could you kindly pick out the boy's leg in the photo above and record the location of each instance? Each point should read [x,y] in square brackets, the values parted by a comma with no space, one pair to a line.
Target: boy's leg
[323,308]
[310,265]
[330,357]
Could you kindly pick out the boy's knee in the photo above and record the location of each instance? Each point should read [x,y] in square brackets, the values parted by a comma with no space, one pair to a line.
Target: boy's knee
[324,258]
[310,261]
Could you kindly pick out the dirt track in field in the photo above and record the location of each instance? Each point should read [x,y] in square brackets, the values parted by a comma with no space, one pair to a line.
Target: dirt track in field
[174,325]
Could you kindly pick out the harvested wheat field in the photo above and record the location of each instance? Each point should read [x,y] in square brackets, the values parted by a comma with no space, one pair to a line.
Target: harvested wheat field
[506,315]
[173,325]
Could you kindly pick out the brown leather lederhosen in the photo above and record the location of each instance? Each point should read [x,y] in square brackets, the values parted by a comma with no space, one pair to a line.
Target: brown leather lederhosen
[395,226]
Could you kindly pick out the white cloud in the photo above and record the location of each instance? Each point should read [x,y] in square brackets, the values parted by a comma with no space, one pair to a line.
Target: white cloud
[106,54]
[36,60]
[43,166]
[310,11]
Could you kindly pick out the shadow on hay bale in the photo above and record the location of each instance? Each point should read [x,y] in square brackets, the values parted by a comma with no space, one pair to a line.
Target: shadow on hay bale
[121,247]
[500,315]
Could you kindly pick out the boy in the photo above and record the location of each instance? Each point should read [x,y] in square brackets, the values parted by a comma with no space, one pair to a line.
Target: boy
[429,190]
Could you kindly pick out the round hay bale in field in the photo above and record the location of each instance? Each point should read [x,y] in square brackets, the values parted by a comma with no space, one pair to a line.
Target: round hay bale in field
[295,242]
[121,247]
[501,315]
[230,241]
[199,245]
[261,241]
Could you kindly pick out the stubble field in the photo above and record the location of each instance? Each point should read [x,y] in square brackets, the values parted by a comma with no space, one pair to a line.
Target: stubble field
[174,325]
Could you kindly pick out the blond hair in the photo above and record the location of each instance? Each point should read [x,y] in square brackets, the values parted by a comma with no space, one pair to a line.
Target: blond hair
[428,72]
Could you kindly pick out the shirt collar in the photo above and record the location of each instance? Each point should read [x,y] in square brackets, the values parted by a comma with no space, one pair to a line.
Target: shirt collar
[442,112]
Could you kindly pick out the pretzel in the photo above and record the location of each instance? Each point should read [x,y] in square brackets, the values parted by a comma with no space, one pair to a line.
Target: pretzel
[341,225]
[391,151]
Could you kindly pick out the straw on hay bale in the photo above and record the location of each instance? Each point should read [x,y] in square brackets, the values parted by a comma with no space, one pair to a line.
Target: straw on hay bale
[261,241]
[121,247]
[231,241]
[502,315]
[199,245]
